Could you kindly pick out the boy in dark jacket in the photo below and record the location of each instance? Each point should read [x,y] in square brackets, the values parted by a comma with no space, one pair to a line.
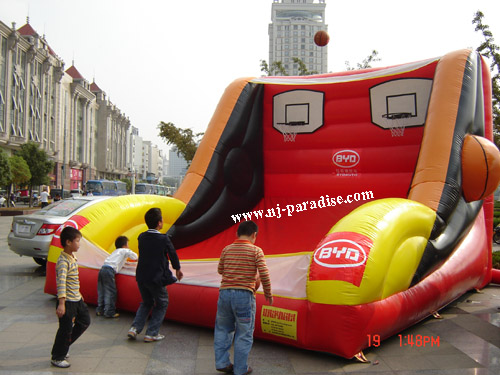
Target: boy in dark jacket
[152,275]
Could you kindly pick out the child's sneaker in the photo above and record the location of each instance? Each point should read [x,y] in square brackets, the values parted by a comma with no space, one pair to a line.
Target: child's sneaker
[60,364]
[132,333]
[149,338]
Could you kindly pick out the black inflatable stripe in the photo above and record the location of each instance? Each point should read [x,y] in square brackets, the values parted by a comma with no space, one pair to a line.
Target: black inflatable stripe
[233,182]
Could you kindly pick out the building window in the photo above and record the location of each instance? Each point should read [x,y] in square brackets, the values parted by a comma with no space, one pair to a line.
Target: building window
[16,107]
[3,94]
[2,106]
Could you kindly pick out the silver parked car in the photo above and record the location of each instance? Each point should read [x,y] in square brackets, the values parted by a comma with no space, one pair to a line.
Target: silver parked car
[31,234]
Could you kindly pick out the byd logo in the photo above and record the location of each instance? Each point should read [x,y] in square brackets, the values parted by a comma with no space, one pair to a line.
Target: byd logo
[340,253]
[341,256]
[346,158]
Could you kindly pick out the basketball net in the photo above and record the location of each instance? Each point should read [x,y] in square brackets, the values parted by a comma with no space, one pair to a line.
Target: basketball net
[398,119]
[398,130]
[288,136]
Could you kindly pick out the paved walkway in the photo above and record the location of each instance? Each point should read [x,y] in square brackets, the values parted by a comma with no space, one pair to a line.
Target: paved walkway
[469,338]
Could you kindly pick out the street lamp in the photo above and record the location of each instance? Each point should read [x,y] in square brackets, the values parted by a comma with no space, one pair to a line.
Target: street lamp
[62,181]
[133,180]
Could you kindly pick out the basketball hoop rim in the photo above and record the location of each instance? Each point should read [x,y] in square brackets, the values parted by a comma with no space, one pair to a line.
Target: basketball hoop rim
[397,115]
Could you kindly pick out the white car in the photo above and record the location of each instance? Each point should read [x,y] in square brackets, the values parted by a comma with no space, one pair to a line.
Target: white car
[31,234]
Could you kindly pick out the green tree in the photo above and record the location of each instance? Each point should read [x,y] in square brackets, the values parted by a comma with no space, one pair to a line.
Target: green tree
[276,68]
[5,170]
[185,141]
[39,165]
[20,171]
[303,68]
[491,51]
[366,63]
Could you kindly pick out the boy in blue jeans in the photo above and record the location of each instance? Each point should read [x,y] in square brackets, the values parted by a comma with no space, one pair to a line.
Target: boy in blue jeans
[106,284]
[153,275]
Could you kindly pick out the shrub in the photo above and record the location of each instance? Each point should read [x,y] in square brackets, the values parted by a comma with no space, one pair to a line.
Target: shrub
[496,259]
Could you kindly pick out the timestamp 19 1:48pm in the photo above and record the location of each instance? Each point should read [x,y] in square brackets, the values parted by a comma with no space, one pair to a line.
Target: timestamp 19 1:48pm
[418,340]
[408,340]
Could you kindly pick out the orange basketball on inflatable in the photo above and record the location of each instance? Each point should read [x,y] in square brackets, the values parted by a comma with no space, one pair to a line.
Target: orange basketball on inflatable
[480,167]
[321,38]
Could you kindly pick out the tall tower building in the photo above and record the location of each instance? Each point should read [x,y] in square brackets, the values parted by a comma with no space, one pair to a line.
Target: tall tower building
[291,34]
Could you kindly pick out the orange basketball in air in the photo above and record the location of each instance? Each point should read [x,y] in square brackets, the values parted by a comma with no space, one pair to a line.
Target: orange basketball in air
[321,38]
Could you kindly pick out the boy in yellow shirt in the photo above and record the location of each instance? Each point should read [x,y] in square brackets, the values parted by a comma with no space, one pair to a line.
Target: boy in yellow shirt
[72,312]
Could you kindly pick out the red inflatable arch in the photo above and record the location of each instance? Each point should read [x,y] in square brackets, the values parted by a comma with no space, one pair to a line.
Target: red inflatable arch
[372,192]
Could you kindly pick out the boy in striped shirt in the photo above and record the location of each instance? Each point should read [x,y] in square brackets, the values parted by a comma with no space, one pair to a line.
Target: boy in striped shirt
[72,312]
[238,265]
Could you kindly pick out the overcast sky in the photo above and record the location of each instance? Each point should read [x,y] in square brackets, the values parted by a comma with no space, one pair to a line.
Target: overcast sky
[170,60]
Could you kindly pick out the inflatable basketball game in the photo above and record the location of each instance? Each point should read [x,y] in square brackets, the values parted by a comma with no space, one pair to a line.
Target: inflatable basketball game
[372,192]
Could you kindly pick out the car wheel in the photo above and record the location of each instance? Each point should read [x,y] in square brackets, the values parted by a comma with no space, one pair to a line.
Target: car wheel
[40,261]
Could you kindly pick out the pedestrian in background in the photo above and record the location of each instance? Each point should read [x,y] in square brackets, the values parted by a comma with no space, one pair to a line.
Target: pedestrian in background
[44,197]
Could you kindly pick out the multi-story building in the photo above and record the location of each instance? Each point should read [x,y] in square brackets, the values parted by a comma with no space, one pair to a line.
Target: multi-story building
[146,159]
[135,151]
[81,131]
[177,165]
[143,172]
[291,35]
[110,138]
[166,164]
[155,163]
[149,164]
[79,127]
[159,165]
[31,99]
